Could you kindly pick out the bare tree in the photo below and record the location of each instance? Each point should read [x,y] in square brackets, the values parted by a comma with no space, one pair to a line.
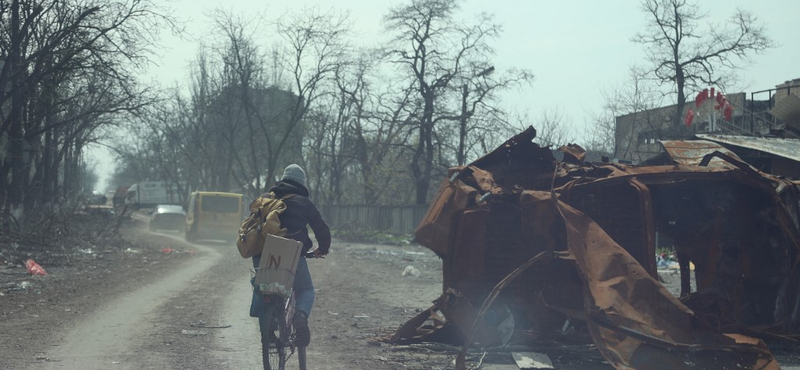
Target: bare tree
[683,55]
[314,48]
[478,95]
[553,128]
[629,120]
[432,49]
[70,69]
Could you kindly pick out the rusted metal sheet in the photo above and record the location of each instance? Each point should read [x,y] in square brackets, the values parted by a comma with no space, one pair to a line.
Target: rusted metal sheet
[787,148]
[691,152]
[587,233]
[636,322]
[462,314]
[573,153]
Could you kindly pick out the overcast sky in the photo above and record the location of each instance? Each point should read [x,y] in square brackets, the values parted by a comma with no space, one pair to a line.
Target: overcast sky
[574,48]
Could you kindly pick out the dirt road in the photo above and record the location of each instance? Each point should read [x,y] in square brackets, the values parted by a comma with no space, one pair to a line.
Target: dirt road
[188,309]
[195,315]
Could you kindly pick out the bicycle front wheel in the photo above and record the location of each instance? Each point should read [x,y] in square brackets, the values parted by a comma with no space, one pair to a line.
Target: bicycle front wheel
[273,347]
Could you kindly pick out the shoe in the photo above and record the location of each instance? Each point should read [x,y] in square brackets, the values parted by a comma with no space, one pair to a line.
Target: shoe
[302,335]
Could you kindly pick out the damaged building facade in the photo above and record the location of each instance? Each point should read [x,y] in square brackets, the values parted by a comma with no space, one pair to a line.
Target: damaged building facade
[531,245]
[773,112]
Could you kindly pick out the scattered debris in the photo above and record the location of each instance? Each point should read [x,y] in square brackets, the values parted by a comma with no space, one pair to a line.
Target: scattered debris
[12,287]
[34,268]
[202,324]
[532,360]
[167,250]
[194,332]
[411,271]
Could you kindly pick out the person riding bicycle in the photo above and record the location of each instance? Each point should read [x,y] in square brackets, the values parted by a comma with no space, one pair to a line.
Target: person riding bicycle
[300,212]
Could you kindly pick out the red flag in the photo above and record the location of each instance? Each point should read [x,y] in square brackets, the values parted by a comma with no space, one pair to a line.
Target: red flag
[727,112]
[721,103]
[701,98]
[689,117]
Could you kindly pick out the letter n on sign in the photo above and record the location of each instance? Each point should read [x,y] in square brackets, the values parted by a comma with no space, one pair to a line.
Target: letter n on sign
[274,261]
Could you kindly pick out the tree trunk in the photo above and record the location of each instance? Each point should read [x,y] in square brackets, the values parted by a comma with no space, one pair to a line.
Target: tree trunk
[47,168]
[680,81]
[15,191]
[422,171]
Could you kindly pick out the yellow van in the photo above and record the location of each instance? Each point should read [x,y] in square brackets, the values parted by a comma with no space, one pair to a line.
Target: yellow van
[213,215]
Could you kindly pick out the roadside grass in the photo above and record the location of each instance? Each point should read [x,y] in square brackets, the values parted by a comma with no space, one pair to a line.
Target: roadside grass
[57,235]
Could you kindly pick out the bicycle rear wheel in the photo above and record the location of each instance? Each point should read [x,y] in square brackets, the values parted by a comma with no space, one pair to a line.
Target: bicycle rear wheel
[273,329]
[301,351]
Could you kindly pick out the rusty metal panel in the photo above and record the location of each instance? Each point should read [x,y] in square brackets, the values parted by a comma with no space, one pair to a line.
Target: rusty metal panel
[587,233]
[787,148]
[460,312]
[785,167]
[464,266]
[573,153]
[618,209]
[691,152]
[636,322]
[434,230]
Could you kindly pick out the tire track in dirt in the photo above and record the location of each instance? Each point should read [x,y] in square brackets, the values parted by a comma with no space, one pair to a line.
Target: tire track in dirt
[239,347]
[110,337]
[359,293]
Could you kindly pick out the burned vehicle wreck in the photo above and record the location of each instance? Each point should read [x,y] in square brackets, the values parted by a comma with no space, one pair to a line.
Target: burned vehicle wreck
[531,245]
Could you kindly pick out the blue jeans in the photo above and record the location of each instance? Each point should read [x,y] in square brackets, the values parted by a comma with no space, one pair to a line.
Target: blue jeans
[303,289]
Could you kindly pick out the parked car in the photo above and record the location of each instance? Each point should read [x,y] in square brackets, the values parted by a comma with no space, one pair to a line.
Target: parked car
[168,217]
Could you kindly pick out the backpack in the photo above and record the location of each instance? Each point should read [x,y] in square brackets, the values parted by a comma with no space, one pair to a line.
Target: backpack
[263,221]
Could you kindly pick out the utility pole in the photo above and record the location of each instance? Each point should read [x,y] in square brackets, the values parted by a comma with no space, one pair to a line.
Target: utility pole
[462,125]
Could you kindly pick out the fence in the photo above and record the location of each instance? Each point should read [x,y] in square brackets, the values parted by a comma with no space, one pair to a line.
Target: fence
[391,219]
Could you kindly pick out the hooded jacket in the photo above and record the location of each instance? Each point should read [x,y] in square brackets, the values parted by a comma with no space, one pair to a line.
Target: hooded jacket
[301,212]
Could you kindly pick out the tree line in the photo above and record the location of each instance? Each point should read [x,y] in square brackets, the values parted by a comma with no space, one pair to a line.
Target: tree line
[67,75]
[371,125]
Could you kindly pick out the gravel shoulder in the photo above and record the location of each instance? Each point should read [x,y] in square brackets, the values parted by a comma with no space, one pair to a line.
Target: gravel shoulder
[37,312]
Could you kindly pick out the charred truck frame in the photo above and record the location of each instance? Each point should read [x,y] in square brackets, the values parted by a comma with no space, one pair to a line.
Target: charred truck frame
[528,242]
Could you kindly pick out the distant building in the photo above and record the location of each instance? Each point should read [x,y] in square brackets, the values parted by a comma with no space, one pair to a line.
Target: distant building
[638,134]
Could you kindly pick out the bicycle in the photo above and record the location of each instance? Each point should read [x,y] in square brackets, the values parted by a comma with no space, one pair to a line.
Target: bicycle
[277,331]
